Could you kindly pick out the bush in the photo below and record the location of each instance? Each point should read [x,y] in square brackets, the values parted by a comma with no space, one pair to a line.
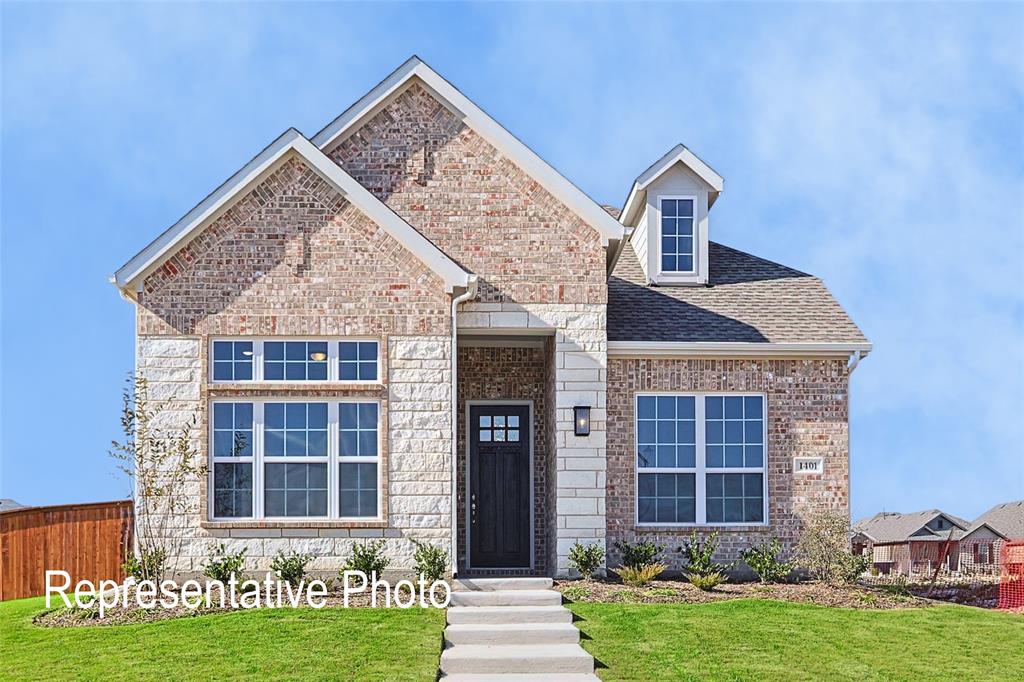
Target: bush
[701,568]
[764,560]
[431,562]
[221,565]
[639,554]
[638,577]
[707,582]
[291,567]
[586,558]
[824,548]
[149,565]
[576,593]
[366,557]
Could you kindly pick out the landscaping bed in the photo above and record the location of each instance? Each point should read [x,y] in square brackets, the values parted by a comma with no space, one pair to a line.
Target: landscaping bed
[681,592]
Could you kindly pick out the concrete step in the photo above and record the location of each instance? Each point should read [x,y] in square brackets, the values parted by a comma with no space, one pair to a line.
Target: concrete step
[511,677]
[549,659]
[496,584]
[515,633]
[507,598]
[501,615]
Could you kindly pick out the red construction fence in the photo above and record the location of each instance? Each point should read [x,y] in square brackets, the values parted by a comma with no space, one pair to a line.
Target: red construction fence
[89,541]
[1011,577]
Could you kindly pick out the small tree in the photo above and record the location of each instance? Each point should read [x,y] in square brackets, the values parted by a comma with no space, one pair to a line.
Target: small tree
[824,547]
[160,458]
[764,560]
[586,558]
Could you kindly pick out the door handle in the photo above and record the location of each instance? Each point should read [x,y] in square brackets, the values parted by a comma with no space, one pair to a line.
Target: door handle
[472,508]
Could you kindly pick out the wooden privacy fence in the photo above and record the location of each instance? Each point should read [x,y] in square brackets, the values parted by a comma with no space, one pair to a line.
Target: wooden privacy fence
[89,541]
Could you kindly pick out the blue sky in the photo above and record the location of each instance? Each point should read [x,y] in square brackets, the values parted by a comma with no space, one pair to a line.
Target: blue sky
[880,147]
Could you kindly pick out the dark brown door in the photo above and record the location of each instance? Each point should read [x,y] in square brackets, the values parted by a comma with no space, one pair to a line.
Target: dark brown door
[499,486]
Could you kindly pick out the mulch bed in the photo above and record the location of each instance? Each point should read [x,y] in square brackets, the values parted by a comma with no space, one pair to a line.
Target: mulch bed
[63,617]
[680,592]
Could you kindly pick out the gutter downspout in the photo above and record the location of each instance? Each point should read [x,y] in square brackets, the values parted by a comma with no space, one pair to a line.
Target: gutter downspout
[469,293]
[854,361]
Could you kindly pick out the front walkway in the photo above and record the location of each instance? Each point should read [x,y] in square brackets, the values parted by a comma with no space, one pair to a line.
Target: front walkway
[509,629]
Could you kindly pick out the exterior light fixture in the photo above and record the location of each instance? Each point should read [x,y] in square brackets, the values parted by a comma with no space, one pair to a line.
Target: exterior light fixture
[581,417]
[318,356]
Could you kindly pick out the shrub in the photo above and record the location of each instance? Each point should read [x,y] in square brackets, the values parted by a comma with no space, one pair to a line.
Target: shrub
[764,560]
[431,562]
[638,577]
[148,565]
[707,582]
[367,557]
[637,555]
[291,567]
[576,593]
[824,548]
[222,565]
[700,563]
[586,558]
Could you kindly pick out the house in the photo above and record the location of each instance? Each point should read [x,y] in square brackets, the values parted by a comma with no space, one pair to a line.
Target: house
[910,543]
[411,327]
[981,544]
[7,504]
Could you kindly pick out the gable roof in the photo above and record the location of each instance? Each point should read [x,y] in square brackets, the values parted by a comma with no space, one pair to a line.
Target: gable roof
[748,300]
[477,119]
[678,154]
[895,527]
[1006,520]
[291,142]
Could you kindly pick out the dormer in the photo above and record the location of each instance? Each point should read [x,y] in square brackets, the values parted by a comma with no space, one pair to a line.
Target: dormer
[667,209]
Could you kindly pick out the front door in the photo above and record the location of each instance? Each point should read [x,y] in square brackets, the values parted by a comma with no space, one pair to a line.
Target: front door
[499,486]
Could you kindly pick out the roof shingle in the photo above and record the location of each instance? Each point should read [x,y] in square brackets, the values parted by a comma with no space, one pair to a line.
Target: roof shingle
[747,299]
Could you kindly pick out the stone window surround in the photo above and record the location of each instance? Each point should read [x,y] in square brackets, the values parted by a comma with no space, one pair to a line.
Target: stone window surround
[314,390]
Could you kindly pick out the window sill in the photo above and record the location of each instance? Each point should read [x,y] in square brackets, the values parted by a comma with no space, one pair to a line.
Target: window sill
[239,388]
[701,528]
[256,524]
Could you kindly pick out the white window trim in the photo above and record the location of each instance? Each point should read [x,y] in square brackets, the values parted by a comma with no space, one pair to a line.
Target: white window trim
[333,360]
[678,275]
[258,459]
[700,470]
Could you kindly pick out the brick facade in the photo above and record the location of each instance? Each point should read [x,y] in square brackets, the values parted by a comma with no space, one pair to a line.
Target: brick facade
[807,412]
[513,374]
[475,204]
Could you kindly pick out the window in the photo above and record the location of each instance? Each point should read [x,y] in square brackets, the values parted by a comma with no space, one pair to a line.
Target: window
[295,360]
[677,225]
[232,360]
[278,459]
[499,428]
[358,361]
[700,459]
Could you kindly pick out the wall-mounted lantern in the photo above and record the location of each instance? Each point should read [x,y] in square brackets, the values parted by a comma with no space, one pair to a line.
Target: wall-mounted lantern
[581,415]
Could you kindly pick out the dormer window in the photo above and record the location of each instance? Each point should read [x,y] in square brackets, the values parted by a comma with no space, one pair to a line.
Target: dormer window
[677,234]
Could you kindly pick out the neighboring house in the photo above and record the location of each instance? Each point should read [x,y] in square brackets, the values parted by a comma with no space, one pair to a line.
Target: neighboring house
[981,544]
[411,327]
[910,543]
[7,504]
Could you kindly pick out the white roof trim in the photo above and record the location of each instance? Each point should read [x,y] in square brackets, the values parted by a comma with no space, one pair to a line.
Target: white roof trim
[291,142]
[973,529]
[733,349]
[678,154]
[553,181]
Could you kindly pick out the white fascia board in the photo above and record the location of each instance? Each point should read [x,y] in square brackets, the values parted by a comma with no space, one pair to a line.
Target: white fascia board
[733,349]
[573,197]
[678,154]
[291,142]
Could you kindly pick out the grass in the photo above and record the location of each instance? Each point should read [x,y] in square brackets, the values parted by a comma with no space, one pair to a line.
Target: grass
[332,643]
[750,639]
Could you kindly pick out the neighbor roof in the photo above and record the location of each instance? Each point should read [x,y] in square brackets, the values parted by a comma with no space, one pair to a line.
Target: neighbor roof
[1006,519]
[7,504]
[747,299]
[477,119]
[289,143]
[896,527]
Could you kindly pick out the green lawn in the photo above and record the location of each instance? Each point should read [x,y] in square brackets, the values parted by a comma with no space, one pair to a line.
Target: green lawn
[771,640]
[333,643]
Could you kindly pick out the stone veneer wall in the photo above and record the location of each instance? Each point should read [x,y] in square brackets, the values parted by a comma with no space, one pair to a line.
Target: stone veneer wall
[807,410]
[494,374]
[579,377]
